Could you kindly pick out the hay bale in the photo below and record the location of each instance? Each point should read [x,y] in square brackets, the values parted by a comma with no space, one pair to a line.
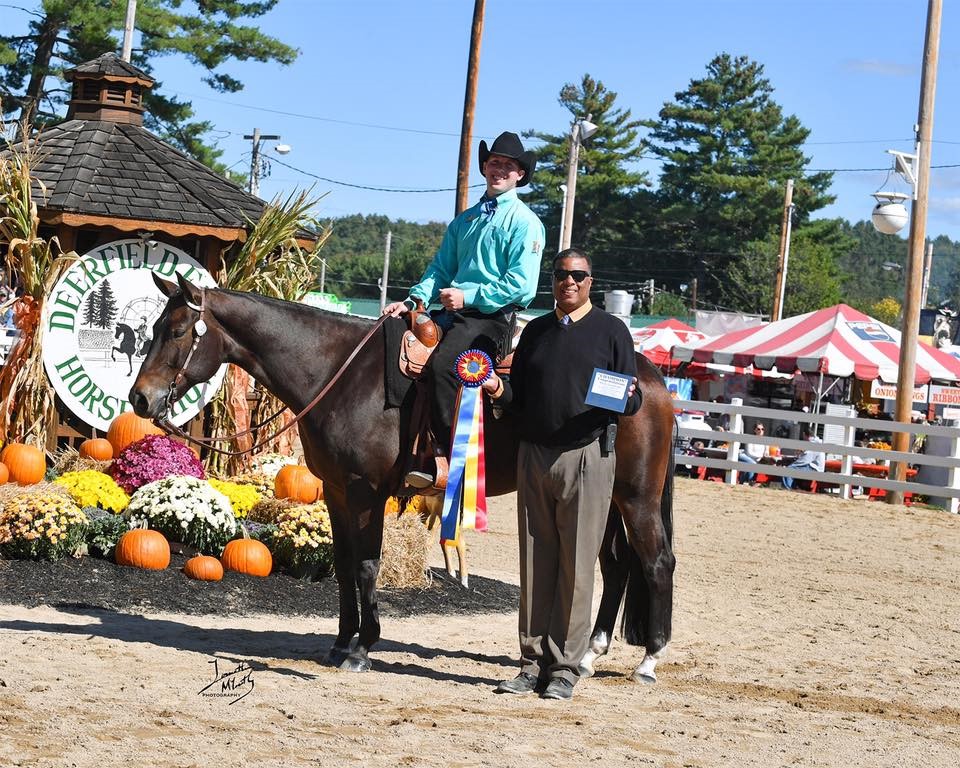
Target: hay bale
[9,490]
[68,459]
[267,509]
[403,562]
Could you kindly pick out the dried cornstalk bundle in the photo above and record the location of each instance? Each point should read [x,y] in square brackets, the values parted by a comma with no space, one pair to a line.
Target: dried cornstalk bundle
[404,559]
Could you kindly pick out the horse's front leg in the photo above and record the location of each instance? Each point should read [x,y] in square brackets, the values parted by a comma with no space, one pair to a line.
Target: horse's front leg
[343,563]
[369,543]
[614,567]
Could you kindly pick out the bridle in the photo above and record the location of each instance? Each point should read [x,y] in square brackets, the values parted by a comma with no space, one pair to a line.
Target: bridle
[199,330]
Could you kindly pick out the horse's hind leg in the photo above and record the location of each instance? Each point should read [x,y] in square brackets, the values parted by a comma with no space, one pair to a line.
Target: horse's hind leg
[614,567]
[648,608]
[344,568]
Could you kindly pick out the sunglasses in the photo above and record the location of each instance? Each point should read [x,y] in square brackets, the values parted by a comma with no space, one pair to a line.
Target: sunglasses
[578,275]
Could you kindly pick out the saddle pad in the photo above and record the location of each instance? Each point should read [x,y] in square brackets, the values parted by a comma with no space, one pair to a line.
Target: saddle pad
[396,386]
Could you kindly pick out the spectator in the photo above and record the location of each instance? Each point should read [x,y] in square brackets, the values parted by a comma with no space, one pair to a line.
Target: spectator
[753,453]
[810,460]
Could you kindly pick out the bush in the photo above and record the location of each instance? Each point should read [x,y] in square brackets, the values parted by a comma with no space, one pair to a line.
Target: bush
[90,488]
[304,540]
[154,458]
[41,526]
[103,531]
[185,509]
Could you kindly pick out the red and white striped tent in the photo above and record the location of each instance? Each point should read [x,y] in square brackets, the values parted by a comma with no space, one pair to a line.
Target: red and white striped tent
[838,341]
[657,340]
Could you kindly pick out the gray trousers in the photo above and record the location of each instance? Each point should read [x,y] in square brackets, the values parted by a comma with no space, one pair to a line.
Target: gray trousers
[563,498]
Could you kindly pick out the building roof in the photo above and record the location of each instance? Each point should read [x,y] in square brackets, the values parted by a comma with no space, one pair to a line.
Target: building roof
[122,171]
[109,65]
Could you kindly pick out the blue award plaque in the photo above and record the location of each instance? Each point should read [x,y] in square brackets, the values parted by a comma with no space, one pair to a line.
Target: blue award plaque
[608,390]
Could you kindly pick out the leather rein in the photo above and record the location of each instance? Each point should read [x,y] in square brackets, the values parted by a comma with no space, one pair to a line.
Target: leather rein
[199,329]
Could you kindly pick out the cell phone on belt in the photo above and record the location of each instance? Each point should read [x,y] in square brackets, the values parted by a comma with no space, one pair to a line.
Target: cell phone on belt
[608,439]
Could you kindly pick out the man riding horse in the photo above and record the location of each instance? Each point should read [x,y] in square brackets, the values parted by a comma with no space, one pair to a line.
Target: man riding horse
[486,269]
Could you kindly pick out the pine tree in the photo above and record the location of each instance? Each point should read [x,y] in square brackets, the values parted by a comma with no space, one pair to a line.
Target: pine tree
[90,315]
[727,152]
[106,305]
[605,184]
[64,33]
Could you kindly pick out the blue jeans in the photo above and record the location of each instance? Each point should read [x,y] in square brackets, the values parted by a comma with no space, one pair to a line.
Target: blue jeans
[746,458]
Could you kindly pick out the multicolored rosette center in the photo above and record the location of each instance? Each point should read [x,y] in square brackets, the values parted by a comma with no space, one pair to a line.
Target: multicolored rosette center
[473,367]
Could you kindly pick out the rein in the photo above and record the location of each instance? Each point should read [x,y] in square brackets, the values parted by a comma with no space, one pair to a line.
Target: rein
[199,329]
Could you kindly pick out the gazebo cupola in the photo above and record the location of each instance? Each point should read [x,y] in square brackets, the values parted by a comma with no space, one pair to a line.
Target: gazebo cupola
[108,89]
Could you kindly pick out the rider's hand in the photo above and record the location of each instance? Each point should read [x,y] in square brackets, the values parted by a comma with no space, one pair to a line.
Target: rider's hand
[452,299]
[395,309]
[632,388]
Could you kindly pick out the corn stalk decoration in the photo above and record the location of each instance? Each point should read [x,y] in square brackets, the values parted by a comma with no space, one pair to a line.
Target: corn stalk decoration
[271,262]
[27,400]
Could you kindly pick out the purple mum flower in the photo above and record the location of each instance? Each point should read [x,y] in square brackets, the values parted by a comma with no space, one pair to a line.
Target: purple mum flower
[154,458]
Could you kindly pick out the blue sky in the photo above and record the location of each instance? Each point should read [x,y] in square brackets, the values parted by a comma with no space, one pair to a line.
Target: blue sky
[376,95]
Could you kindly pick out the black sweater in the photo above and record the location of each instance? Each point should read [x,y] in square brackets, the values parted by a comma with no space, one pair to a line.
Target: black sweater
[551,372]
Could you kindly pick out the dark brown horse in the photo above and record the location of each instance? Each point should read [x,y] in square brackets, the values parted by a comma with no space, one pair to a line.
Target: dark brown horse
[356,444]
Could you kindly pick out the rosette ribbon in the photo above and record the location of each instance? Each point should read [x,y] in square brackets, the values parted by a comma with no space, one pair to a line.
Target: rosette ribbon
[465,500]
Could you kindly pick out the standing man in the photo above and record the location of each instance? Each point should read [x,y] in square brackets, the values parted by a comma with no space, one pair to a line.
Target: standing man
[565,472]
[486,269]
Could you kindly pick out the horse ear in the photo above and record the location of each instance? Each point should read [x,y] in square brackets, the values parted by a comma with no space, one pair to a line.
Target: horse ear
[167,288]
[190,292]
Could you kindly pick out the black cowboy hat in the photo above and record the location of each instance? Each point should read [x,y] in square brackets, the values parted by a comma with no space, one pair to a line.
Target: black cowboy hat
[508,145]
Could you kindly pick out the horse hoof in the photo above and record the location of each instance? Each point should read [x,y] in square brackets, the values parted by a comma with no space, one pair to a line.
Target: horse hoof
[356,664]
[465,582]
[646,672]
[586,668]
[336,656]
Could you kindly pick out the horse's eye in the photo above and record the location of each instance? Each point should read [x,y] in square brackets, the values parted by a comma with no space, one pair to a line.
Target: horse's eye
[178,333]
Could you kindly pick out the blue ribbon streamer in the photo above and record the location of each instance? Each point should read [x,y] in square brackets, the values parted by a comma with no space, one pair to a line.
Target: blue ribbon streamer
[467,402]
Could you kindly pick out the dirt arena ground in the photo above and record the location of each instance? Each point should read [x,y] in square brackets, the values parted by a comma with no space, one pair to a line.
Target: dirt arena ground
[807,632]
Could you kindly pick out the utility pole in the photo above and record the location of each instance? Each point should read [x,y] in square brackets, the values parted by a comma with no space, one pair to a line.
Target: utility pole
[693,296]
[566,225]
[323,273]
[781,284]
[906,375]
[386,272]
[257,137]
[469,103]
[128,26]
[927,266]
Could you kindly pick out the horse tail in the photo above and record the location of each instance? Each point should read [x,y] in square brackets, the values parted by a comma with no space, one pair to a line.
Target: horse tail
[639,592]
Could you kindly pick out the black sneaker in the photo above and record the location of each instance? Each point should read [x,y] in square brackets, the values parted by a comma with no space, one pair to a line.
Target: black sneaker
[558,688]
[418,479]
[521,684]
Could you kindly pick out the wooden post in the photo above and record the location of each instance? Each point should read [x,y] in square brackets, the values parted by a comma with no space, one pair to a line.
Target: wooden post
[469,103]
[918,226]
[779,288]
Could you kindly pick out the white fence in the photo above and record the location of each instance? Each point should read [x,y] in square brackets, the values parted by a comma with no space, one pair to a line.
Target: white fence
[948,493]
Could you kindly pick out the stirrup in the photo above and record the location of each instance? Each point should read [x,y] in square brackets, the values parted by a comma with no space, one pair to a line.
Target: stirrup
[418,479]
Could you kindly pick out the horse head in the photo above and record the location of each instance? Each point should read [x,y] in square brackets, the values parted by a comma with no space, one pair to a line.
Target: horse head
[122,329]
[187,349]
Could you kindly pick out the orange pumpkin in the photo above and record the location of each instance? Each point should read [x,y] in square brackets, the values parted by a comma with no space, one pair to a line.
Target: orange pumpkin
[203,568]
[142,548]
[98,448]
[4,473]
[26,464]
[248,556]
[296,482]
[128,428]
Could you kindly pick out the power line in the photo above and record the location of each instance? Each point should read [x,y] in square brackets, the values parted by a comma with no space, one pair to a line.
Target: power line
[363,186]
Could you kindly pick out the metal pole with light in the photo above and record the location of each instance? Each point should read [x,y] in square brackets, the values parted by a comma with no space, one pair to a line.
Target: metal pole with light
[916,169]
[581,129]
[563,213]
[255,163]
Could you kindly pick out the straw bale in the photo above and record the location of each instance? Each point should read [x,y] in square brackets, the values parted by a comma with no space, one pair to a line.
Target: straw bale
[9,490]
[68,459]
[403,562]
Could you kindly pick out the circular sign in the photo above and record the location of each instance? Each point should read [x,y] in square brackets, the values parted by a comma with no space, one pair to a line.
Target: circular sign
[98,325]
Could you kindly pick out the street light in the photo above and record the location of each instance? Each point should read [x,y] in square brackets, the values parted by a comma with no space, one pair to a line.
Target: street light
[256,164]
[579,131]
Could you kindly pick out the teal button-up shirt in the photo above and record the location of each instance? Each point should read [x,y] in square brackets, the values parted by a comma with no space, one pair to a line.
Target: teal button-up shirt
[494,260]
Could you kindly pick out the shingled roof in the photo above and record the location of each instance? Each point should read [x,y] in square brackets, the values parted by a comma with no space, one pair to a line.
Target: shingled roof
[118,170]
[110,65]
